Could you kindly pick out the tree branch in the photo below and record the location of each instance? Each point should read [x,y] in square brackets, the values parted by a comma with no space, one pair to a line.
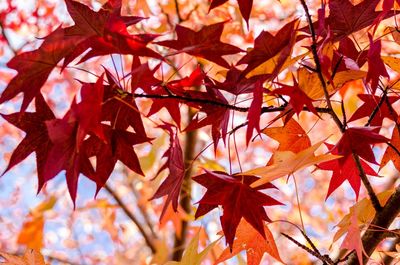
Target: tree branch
[372,195]
[372,237]
[318,66]
[131,216]
[186,190]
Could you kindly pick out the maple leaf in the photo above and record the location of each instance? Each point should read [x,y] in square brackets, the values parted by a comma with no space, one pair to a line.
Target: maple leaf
[120,111]
[65,153]
[286,163]
[30,257]
[390,153]
[291,136]
[249,239]
[118,145]
[254,113]
[36,138]
[345,169]
[142,76]
[376,67]
[237,198]
[236,83]
[350,142]
[348,146]
[298,98]
[171,186]
[104,32]
[191,256]
[370,103]
[244,7]
[177,87]
[352,241]
[364,211]
[34,67]
[266,46]
[345,18]
[216,116]
[204,43]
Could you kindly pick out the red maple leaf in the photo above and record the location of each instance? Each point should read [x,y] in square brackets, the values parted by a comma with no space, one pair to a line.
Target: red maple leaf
[345,18]
[216,116]
[237,198]
[175,88]
[370,103]
[104,32]
[376,67]
[142,77]
[244,7]
[254,113]
[34,67]
[121,112]
[118,145]
[350,142]
[348,146]
[298,98]
[171,186]
[204,43]
[236,83]
[36,138]
[68,134]
[66,154]
[266,46]
[345,169]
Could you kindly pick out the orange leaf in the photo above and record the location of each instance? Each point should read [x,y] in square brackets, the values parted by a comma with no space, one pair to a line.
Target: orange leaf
[286,163]
[30,257]
[31,233]
[390,153]
[249,239]
[291,137]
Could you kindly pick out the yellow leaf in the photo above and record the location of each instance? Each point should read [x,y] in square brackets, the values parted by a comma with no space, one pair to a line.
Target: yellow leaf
[191,256]
[269,66]
[311,85]
[392,62]
[30,257]
[287,162]
[44,206]
[365,213]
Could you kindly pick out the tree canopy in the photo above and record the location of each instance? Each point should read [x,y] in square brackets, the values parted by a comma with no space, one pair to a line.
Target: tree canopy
[200,132]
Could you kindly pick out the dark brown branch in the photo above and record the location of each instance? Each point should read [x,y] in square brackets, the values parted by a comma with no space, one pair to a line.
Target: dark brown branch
[376,109]
[372,195]
[131,216]
[372,237]
[186,190]
[268,109]
[324,259]
[178,13]
[318,66]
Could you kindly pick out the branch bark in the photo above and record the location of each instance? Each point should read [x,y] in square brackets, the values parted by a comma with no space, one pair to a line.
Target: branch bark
[131,216]
[189,154]
[372,237]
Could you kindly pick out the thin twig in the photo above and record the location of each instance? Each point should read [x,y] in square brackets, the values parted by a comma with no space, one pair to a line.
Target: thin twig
[323,258]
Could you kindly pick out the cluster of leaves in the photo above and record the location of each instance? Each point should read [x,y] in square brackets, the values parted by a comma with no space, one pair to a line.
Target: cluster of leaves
[106,122]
